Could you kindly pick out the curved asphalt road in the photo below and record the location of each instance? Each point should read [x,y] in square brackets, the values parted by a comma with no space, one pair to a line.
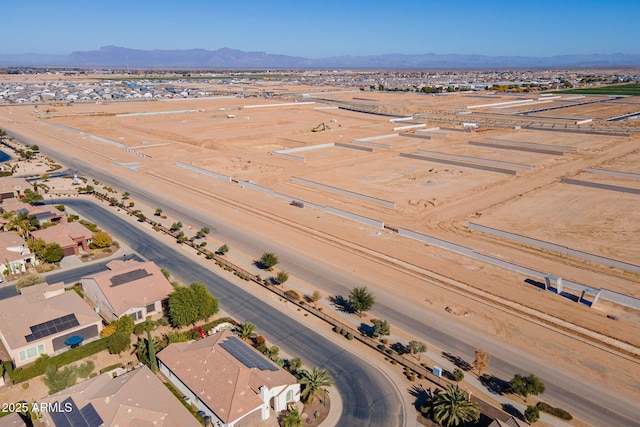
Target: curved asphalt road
[369,398]
[585,400]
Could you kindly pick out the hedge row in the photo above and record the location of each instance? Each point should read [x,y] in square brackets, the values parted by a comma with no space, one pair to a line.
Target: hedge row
[111,367]
[23,374]
[558,412]
[190,408]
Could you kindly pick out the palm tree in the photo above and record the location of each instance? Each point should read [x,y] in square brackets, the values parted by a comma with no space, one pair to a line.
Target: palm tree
[146,348]
[294,365]
[21,224]
[247,331]
[315,383]
[452,408]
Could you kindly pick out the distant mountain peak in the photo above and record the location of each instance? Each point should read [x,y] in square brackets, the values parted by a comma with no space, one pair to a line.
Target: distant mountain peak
[121,57]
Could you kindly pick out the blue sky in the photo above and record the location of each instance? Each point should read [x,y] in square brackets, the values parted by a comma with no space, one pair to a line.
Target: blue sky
[323,28]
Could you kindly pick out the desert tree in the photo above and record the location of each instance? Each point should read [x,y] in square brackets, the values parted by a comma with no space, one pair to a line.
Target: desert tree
[481,362]
[52,253]
[118,342]
[189,304]
[281,277]
[315,297]
[361,300]
[417,347]
[222,250]
[380,327]
[531,414]
[59,379]
[102,239]
[268,260]
[525,386]
[457,375]
[158,212]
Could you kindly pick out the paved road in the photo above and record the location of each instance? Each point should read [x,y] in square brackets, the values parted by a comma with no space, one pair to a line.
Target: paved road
[369,398]
[585,400]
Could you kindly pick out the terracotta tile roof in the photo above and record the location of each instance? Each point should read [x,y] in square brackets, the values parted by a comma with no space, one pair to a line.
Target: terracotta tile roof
[221,381]
[37,304]
[131,284]
[63,234]
[13,247]
[135,399]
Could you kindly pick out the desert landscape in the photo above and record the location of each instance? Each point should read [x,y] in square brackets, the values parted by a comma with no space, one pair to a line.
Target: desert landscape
[368,166]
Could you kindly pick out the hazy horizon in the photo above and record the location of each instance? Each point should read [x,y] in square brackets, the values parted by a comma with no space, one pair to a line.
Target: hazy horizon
[326,29]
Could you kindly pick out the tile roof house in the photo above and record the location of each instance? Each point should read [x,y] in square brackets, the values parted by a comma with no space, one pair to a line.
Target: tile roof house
[134,399]
[14,254]
[12,420]
[69,235]
[229,380]
[43,213]
[41,319]
[132,288]
[12,188]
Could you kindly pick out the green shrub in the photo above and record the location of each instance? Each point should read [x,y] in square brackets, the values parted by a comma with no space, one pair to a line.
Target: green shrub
[349,336]
[139,329]
[209,325]
[179,395]
[23,374]
[558,412]
[291,294]
[8,367]
[111,367]
[337,329]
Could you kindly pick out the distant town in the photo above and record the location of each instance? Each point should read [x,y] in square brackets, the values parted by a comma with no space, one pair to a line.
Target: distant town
[153,85]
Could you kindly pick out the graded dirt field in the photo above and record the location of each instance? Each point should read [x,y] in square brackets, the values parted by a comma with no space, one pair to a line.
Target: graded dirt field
[143,142]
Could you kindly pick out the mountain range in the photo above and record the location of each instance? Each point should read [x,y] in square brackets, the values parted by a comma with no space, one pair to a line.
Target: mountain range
[225,58]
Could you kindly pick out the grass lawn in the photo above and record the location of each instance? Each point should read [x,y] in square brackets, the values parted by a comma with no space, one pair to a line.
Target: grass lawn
[625,89]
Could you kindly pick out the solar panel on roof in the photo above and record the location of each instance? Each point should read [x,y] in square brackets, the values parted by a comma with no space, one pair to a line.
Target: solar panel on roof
[130,276]
[60,418]
[71,416]
[247,356]
[51,327]
[91,416]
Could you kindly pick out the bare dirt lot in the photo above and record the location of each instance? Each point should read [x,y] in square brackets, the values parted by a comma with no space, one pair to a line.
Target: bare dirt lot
[437,199]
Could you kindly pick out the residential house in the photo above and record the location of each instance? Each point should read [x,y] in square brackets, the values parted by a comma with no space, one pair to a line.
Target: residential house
[12,188]
[229,380]
[41,319]
[15,256]
[43,213]
[47,214]
[71,236]
[12,420]
[136,398]
[128,288]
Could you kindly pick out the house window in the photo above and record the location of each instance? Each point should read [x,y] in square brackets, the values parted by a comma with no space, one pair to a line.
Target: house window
[151,308]
[289,396]
[31,352]
[136,315]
